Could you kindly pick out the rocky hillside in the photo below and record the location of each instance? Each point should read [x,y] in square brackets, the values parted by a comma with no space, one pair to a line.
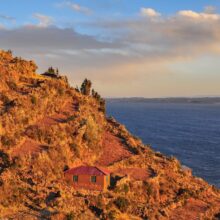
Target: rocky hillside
[47,126]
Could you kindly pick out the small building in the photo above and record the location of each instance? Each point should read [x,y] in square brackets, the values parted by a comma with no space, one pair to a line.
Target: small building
[88,177]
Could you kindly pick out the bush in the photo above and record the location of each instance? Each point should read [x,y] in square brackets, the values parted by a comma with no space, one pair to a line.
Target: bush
[86,87]
[112,215]
[70,216]
[61,91]
[4,161]
[33,100]
[74,147]
[92,133]
[126,188]
[6,141]
[71,118]
[149,189]
[12,85]
[122,203]
[100,100]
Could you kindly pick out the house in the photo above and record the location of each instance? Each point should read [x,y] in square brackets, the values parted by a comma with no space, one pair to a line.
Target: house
[88,177]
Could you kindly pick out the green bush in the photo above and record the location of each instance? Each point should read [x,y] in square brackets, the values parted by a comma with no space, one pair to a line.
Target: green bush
[122,203]
[126,188]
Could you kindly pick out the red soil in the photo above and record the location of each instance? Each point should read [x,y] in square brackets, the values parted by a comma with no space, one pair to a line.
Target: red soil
[192,210]
[51,120]
[69,107]
[134,173]
[113,150]
[29,146]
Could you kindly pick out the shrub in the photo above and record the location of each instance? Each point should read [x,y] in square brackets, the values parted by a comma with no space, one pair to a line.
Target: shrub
[61,91]
[70,216]
[71,118]
[122,203]
[86,87]
[33,100]
[92,133]
[102,107]
[12,85]
[149,189]
[112,215]
[74,147]
[100,100]
[100,202]
[4,161]
[6,141]
[126,188]
[217,216]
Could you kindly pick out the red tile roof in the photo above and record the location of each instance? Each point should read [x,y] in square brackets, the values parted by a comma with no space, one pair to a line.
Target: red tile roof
[88,170]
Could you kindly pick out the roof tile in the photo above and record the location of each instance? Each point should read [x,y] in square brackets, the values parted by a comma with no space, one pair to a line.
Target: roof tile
[88,170]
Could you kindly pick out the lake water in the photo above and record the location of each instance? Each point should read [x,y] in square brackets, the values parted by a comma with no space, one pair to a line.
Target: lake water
[190,132]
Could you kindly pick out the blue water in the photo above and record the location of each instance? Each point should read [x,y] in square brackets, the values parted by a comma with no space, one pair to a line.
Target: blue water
[190,132]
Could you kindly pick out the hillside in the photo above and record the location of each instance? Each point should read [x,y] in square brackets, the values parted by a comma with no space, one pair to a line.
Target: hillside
[47,126]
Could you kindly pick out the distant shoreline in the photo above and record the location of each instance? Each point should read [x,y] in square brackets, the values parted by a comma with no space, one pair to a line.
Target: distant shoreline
[183,100]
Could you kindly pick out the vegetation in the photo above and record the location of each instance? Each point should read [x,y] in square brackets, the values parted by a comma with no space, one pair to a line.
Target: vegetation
[52,71]
[46,127]
[122,203]
[86,87]
[33,100]
[92,133]
[100,100]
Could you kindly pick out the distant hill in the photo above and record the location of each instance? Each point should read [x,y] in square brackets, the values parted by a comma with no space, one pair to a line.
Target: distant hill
[47,126]
[202,100]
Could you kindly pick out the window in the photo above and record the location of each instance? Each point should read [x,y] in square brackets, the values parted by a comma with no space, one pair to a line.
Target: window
[93,179]
[75,179]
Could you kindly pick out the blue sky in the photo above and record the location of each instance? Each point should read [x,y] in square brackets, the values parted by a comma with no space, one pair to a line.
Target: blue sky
[149,48]
[23,10]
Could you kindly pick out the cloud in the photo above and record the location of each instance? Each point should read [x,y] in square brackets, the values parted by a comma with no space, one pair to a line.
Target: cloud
[49,39]
[2,26]
[6,17]
[196,15]
[76,7]
[210,9]
[149,12]
[44,20]
[135,49]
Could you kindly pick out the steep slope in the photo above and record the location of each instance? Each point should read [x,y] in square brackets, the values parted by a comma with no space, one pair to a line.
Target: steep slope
[47,126]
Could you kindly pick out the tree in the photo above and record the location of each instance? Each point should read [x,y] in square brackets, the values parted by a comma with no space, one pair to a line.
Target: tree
[51,70]
[101,101]
[102,106]
[86,87]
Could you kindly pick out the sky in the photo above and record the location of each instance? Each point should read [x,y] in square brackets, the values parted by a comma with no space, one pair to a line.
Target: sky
[135,48]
